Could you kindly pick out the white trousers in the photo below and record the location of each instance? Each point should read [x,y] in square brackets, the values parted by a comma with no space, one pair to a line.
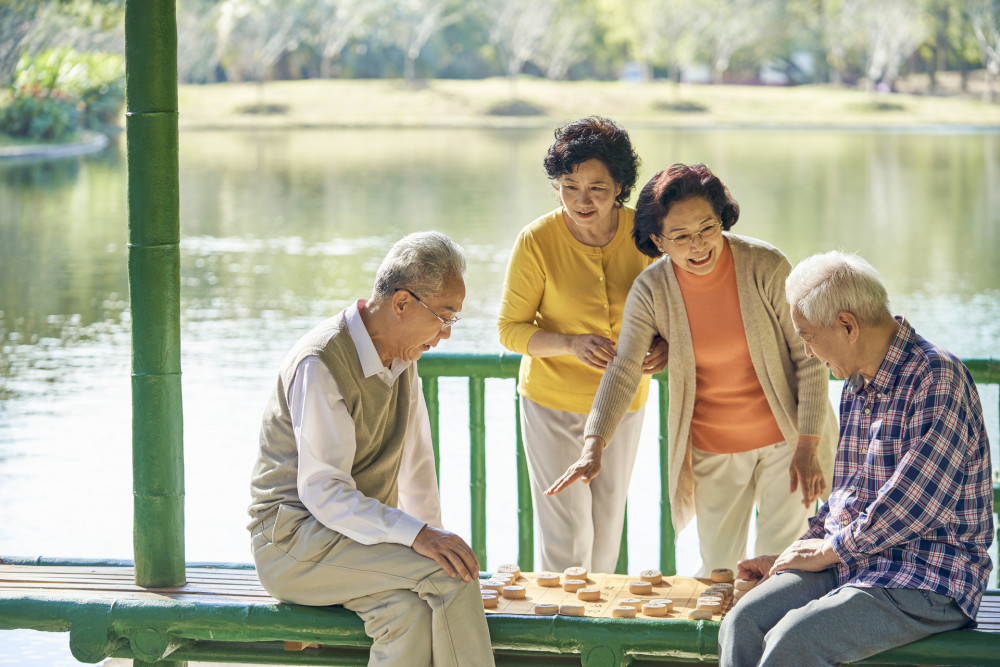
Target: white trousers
[583,524]
[415,613]
[726,488]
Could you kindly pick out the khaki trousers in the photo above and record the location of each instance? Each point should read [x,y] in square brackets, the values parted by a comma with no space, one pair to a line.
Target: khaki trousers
[583,524]
[726,488]
[415,613]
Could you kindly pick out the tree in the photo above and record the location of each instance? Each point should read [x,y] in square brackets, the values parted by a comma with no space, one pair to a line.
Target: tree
[664,30]
[408,24]
[198,47]
[573,26]
[254,35]
[732,25]
[893,29]
[518,28]
[332,24]
[841,35]
[16,19]
[984,15]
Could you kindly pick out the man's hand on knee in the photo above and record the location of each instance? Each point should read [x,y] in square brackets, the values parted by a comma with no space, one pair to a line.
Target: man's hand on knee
[755,569]
[810,555]
[449,550]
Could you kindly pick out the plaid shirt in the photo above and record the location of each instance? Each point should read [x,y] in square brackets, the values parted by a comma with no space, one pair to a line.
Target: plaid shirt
[912,500]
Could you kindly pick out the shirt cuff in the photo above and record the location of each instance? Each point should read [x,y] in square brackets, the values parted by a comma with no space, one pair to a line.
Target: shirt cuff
[406,529]
[846,547]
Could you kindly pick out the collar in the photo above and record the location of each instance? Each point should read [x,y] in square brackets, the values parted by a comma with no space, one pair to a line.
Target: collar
[371,363]
[889,369]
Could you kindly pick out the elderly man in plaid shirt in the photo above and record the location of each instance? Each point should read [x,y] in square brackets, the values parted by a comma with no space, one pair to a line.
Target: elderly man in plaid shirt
[899,551]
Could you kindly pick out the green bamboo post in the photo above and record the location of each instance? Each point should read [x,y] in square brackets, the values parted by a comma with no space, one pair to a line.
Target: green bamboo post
[525,508]
[430,388]
[477,466]
[154,291]
[668,554]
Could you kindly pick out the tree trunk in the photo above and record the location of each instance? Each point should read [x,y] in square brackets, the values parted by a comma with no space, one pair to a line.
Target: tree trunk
[409,68]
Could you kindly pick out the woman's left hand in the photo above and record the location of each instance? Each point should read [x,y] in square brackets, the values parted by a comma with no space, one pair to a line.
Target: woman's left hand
[805,471]
[656,359]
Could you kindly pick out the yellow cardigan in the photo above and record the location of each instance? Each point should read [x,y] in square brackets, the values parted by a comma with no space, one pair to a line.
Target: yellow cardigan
[555,283]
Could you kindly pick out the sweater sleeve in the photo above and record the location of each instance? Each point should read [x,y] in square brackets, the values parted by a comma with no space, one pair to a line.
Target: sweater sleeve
[621,379]
[812,376]
[522,294]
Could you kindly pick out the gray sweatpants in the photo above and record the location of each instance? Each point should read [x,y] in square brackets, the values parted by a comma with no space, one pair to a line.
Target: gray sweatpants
[415,613]
[789,620]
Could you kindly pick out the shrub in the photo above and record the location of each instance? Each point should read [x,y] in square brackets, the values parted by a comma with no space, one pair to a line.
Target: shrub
[60,90]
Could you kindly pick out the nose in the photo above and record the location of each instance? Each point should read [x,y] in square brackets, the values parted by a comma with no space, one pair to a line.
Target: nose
[445,333]
[697,242]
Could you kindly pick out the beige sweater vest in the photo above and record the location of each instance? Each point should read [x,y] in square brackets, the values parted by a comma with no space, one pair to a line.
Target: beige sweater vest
[380,413]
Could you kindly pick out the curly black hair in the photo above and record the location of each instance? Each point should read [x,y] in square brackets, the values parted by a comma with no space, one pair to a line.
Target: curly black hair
[674,184]
[594,137]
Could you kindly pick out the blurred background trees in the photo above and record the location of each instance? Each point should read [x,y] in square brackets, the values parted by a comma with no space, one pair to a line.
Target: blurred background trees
[870,44]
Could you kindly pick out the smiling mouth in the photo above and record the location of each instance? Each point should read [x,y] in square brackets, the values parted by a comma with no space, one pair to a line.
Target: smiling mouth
[701,261]
[586,214]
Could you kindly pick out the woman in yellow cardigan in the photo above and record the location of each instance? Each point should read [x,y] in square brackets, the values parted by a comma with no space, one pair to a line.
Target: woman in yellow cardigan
[567,280]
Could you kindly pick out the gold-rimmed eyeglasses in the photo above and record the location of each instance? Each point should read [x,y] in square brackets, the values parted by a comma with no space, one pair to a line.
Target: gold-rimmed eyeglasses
[706,233]
[444,323]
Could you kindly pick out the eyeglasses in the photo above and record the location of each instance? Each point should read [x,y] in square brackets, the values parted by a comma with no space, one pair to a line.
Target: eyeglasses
[706,233]
[444,323]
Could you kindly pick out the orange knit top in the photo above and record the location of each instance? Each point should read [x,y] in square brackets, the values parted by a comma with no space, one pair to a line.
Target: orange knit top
[731,413]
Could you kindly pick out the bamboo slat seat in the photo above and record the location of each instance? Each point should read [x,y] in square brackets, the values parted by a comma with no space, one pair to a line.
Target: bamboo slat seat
[223,613]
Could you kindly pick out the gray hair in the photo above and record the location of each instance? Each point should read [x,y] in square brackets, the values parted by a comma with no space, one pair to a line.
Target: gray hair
[420,262]
[821,286]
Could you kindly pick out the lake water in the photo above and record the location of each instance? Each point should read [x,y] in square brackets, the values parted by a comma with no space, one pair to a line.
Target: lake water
[281,229]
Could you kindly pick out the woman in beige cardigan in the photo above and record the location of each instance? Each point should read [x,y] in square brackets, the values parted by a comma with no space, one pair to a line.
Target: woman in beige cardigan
[750,419]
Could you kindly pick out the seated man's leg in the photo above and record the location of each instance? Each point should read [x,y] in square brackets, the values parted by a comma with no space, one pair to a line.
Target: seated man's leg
[855,623]
[399,623]
[741,637]
[301,561]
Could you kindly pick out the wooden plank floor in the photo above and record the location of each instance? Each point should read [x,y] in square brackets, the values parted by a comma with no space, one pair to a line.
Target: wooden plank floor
[217,584]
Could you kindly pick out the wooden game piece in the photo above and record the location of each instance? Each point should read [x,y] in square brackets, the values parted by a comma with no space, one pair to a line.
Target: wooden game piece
[573,585]
[494,585]
[589,594]
[571,609]
[576,573]
[623,612]
[490,601]
[725,589]
[505,577]
[510,568]
[652,576]
[666,602]
[655,608]
[640,588]
[744,584]
[722,574]
[738,594]
[631,602]
[546,609]
[514,592]
[698,615]
[712,604]
[548,580]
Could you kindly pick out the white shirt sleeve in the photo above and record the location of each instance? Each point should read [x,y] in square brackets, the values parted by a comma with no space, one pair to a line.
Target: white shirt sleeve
[324,435]
[418,490]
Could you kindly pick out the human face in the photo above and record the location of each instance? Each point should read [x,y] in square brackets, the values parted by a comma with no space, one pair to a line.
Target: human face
[690,216]
[588,194]
[423,327]
[831,345]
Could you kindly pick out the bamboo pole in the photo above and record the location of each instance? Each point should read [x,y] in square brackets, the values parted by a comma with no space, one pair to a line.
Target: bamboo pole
[154,291]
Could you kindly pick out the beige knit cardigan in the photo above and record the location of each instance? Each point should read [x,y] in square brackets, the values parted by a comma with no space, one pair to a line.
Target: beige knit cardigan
[796,386]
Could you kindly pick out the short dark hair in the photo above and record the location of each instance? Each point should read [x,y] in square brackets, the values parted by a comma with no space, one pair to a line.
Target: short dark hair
[594,137]
[675,184]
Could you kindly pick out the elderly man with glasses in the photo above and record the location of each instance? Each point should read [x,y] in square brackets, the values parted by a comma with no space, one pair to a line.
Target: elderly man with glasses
[345,505]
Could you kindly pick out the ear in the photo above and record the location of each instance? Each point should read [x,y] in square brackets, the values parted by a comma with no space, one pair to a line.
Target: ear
[399,301]
[653,237]
[618,189]
[848,323]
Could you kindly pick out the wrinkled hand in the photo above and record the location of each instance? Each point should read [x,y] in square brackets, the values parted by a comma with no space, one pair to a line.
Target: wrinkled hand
[587,467]
[805,471]
[656,359]
[449,550]
[593,350]
[810,555]
[755,569]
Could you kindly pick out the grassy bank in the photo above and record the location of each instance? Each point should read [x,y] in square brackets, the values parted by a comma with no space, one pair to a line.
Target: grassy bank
[449,103]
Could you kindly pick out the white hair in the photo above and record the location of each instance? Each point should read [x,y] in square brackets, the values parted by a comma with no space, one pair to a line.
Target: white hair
[420,262]
[821,286]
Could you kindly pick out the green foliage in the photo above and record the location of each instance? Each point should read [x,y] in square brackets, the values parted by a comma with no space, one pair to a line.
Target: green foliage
[60,90]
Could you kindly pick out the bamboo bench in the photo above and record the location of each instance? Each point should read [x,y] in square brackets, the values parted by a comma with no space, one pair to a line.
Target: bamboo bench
[223,614]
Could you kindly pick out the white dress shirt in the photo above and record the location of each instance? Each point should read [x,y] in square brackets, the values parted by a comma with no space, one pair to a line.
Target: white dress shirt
[324,434]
